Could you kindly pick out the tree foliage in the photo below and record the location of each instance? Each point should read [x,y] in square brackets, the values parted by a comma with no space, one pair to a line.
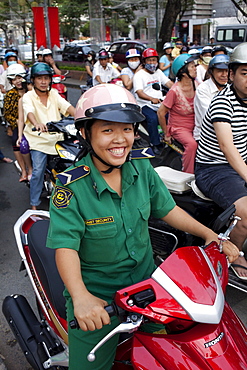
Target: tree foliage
[174,9]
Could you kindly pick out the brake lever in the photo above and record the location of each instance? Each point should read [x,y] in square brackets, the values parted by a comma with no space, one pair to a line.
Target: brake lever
[129,326]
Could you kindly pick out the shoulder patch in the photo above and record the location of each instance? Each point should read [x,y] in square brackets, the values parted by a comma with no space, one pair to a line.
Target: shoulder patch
[61,197]
[76,173]
[142,153]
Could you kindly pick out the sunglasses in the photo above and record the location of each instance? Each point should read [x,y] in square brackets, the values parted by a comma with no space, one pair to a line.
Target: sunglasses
[179,43]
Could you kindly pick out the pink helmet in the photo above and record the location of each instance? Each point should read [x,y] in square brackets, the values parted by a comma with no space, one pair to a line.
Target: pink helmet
[109,103]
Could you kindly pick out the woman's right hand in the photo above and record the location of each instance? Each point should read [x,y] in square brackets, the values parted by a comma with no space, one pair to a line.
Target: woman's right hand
[90,313]
[168,139]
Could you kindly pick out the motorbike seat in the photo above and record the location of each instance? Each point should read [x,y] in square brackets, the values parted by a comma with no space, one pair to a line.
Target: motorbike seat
[44,261]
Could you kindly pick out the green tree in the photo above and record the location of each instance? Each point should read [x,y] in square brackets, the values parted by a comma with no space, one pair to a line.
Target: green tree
[174,9]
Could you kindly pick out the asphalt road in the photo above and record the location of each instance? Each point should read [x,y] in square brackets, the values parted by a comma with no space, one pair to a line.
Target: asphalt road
[14,201]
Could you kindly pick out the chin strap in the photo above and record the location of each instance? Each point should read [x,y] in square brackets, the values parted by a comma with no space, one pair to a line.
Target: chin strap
[216,82]
[193,80]
[87,148]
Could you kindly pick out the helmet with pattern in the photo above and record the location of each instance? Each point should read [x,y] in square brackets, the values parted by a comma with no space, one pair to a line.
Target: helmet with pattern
[132,53]
[16,70]
[103,54]
[105,102]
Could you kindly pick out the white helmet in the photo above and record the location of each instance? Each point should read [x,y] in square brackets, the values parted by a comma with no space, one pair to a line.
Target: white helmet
[46,52]
[16,70]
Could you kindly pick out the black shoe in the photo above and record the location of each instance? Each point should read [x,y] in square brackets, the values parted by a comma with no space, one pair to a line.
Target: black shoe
[157,149]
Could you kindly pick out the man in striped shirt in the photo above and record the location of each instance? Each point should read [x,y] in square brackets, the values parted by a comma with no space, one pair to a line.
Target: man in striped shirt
[221,171]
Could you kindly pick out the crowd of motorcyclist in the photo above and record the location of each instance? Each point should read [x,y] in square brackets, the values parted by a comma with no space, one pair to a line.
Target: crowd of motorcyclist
[174,92]
[214,104]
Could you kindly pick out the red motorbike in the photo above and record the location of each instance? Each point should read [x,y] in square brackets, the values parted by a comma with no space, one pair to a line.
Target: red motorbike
[185,294]
[57,83]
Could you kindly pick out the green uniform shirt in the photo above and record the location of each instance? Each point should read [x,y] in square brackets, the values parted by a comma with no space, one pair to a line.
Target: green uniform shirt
[109,232]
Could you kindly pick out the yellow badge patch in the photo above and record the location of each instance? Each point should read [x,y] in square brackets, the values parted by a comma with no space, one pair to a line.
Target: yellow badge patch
[61,197]
[101,220]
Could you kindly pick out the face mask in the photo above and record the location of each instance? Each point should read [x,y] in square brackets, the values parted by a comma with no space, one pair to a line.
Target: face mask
[11,62]
[206,60]
[89,57]
[134,65]
[151,67]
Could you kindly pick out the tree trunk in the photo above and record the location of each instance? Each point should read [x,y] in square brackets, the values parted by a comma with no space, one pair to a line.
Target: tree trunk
[173,8]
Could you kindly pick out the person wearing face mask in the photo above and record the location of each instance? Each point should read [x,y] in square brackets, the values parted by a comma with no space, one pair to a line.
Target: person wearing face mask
[10,58]
[205,57]
[89,63]
[147,86]
[133,58]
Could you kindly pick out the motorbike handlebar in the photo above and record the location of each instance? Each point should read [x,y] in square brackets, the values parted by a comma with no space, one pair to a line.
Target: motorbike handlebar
[112,310]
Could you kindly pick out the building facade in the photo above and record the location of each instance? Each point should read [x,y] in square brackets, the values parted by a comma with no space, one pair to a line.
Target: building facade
[200,22]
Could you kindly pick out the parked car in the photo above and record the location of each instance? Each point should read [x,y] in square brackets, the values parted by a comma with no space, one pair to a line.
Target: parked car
[119,48]
[77,53]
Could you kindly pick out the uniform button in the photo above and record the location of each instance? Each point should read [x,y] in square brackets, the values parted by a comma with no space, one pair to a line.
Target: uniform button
[130,230]
[133,253]
[122,204]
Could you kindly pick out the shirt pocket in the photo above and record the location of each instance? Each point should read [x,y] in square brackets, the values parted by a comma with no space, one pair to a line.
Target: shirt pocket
[142,225]
[99,244]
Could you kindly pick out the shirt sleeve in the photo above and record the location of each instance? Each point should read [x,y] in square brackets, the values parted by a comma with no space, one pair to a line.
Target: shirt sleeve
[64,210]
[138,81]
[221,110]
[163,78]
[28,106]
[63,104]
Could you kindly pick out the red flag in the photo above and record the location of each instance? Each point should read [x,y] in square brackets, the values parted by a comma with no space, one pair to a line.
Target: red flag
[107,33]
[54,26]
[39,25]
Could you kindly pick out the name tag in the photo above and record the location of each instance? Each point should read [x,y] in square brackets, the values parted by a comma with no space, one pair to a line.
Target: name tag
[100,220]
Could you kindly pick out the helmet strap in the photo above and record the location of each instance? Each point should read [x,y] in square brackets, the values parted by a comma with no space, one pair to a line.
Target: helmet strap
[216,82]
[87,148]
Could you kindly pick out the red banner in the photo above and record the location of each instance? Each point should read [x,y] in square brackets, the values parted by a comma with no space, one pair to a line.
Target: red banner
[39,25]
[54,26]
[107,33]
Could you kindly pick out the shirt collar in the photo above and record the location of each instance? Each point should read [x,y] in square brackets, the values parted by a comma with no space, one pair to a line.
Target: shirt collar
[129,176]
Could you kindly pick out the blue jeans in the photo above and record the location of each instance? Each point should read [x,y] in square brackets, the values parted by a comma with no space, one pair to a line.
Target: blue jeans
[39,160]
[152,122]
